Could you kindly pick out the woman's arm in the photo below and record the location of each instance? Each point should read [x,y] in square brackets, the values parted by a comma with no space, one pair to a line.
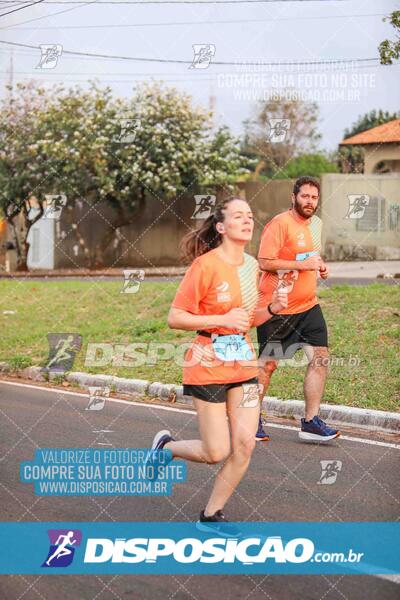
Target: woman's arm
[236,318]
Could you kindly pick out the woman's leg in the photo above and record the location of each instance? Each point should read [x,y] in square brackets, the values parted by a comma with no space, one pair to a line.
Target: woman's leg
[214,445]
[243,422]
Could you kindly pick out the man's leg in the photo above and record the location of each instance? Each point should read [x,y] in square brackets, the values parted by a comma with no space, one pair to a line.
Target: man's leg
[265,374]
[313,427]
[264,377]
[273,337]
[314,382]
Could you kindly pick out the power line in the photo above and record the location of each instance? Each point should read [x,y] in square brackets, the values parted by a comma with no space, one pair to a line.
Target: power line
[144,2]
[184,1]
[174,23]
[21,8]
[60,12]
[186,62]
[145,78]
[136,77]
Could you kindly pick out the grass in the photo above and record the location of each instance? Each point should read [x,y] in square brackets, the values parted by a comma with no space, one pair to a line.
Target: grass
[363,327]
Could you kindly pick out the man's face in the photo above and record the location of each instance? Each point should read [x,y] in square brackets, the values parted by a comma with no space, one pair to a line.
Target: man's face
[306,201]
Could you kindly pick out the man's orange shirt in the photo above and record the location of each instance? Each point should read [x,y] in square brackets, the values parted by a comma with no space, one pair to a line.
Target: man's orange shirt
[212,286]
[290,237]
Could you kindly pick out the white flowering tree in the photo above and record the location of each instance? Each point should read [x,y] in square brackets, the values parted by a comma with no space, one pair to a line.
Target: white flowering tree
[96,148]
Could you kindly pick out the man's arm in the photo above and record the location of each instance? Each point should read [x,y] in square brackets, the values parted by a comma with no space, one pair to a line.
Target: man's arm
[313,263]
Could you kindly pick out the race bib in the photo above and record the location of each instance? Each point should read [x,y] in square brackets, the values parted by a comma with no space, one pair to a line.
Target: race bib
[232,347]
[305,255]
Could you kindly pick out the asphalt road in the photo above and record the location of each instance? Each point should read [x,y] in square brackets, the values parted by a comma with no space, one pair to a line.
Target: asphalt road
[281,485]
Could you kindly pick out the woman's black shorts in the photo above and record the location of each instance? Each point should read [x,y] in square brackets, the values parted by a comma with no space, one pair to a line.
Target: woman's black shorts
[214,392]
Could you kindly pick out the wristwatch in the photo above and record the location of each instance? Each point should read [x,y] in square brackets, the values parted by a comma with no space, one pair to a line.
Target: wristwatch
[270,311]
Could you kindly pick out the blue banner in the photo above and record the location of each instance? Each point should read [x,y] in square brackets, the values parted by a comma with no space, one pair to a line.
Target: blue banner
[173,548]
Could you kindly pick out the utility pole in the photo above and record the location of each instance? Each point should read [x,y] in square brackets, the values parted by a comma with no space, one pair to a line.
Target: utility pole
[10,83]
[212,101]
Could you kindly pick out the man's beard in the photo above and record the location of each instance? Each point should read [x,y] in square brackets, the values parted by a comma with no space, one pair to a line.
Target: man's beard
[305,214]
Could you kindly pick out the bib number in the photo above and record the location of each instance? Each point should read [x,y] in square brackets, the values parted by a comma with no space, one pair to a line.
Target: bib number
[232,347]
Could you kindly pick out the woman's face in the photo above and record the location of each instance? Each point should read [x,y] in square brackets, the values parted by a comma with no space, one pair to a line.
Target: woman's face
[238,224]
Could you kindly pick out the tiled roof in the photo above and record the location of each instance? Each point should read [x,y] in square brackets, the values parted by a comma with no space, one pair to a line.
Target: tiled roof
[388,132]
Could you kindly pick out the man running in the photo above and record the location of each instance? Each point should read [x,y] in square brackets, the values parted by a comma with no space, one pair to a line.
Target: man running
[290,261]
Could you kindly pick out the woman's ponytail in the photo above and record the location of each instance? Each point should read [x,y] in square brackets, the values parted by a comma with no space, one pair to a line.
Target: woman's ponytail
[206,237]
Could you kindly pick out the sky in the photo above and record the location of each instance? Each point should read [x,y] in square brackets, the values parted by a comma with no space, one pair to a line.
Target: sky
[255,31]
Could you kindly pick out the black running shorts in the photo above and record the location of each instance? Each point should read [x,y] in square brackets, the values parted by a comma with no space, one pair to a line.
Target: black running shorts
[214,392]
[282,335]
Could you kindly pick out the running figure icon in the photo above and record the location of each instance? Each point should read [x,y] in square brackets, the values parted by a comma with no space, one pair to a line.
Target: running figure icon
[63,348]
[62,549]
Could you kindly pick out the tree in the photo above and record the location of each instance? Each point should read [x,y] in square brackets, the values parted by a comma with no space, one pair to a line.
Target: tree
[389,50]
[302,134]
[351,159]
[310,164]
[370,120]
[95,148]
[20,173]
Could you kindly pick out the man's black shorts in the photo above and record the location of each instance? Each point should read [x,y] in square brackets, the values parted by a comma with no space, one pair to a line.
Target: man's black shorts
[282,335]
[214,392]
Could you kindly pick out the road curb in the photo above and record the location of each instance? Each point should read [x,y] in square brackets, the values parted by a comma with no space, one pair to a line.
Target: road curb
[378,420]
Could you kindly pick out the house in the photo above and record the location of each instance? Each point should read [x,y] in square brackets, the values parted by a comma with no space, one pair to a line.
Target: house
[381,147]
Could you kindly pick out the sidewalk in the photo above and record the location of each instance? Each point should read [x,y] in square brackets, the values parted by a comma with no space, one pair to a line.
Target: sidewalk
[364,269]
[116,273]
[342,270]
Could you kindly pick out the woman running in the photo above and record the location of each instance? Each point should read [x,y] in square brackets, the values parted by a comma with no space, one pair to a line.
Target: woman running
[217,298]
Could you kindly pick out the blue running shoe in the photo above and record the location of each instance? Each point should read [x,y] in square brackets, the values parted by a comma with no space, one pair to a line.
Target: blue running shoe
[317,431]
[160,439]
[261,436]
[218,524]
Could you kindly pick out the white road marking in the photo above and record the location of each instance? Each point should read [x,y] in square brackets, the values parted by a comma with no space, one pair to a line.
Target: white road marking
[188,411]
[392,578]
[103,431]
